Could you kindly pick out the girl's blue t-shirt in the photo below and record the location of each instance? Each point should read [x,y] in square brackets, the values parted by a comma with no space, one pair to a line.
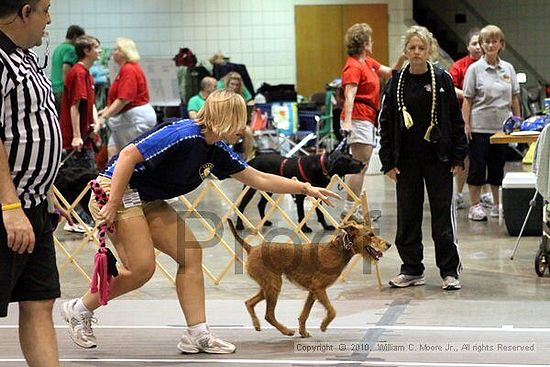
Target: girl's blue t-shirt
[176,161]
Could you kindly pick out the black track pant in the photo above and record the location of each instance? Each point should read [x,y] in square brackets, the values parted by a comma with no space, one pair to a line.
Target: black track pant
[415,172]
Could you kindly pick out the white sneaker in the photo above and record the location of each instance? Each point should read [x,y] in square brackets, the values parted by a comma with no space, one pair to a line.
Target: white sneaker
[486,200]
[76,228]
[459,199]
[80,325]
[450,283]
[404,280]
[204,342]
[494,211]
[477,213]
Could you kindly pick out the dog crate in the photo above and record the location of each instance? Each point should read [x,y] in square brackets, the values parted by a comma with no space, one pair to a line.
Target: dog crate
[518,188]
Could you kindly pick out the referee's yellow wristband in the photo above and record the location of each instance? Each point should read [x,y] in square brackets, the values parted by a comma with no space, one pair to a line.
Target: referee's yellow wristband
[11,206]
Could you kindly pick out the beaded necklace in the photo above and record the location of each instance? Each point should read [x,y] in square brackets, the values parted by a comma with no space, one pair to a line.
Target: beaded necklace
[401,104]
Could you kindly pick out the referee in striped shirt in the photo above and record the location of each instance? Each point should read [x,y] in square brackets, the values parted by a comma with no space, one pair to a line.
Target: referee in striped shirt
[30,150]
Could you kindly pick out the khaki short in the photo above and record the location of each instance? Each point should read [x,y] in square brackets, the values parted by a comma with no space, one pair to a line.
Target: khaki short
[122,212]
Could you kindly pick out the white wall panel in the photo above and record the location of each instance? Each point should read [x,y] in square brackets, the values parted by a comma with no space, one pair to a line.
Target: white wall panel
[257,33]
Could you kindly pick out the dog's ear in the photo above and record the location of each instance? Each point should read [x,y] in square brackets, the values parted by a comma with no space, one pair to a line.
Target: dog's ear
[347,224]
[350,227]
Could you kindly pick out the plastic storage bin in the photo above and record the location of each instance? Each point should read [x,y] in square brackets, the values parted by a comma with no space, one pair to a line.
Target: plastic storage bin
[518,189]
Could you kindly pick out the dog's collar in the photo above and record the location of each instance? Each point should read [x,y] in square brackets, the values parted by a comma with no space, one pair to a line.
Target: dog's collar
[301,169]
[348,245]
[282,167]
[323,167]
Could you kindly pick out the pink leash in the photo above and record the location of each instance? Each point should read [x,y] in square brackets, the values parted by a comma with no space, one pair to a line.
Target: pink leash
[104,261]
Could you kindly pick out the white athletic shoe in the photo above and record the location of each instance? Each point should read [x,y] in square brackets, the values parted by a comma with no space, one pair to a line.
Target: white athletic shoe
[404,280]
[80,325]
[450,283]
[459,199]
[486,200]
[76,228]
[477,214]
[204,342]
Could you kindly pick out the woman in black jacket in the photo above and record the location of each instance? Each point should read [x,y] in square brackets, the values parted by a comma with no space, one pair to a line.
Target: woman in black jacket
[423,143]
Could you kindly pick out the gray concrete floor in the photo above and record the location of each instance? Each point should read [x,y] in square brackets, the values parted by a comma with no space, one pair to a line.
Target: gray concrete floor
[498,318]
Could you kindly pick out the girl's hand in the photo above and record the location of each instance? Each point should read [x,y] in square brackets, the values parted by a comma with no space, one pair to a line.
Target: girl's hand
[321,193]
[468,132]
[107,214]
[99,124]
[65,214]
[455,170]
[393,173]
[346,126]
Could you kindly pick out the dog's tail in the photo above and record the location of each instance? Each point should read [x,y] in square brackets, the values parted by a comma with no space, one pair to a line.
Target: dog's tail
[239,239]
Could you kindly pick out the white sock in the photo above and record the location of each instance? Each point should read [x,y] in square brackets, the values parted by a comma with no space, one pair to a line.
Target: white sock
[79,307]
[197,329]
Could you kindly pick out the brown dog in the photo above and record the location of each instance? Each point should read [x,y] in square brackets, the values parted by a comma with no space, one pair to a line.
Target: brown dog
[314,267]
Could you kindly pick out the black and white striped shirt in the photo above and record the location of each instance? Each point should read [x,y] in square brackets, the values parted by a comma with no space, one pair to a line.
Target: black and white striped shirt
[29,126]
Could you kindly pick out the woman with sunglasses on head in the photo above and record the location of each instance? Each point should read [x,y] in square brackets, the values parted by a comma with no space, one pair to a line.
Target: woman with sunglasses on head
[423,145]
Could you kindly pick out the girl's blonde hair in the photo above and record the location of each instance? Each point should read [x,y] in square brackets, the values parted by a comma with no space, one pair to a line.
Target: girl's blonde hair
[128,48]
[492,31]
[233,75]
[223,113]
[356,36]
[425,36]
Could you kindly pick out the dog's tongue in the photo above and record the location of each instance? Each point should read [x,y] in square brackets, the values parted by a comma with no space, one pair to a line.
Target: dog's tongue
[374,253]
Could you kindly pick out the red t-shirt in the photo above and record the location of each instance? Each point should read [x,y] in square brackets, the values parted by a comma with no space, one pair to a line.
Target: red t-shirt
[130,84]
[79,86]
[367,98]
[458,70]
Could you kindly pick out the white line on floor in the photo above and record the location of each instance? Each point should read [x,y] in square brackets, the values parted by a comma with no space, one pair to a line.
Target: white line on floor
[321,362]
[504,328]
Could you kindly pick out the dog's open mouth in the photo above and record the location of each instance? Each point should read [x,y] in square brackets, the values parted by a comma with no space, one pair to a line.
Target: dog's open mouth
[374,253]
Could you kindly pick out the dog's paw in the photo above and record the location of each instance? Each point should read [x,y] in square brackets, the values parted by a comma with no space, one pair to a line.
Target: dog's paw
[305,334]
[324,327]
[306,229]
[287,332]
[328,227]
[268,223]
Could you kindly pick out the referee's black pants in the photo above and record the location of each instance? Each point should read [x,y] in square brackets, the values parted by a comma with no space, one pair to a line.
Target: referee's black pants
[436,175]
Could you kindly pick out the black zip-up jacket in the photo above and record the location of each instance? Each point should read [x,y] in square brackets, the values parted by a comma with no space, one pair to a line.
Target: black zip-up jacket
[452,147]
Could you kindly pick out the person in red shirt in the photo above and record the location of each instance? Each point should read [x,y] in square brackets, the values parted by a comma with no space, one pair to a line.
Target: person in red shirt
[78,114]
[128,110]
[361,83]
[458,71]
